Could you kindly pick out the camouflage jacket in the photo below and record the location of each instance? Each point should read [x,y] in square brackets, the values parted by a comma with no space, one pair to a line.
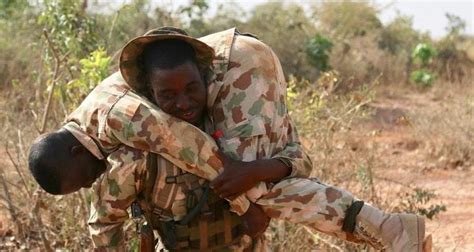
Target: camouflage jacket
[122,184]
[113,194]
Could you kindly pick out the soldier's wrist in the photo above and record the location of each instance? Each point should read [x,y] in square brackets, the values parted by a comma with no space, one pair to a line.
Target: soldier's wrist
[270,170]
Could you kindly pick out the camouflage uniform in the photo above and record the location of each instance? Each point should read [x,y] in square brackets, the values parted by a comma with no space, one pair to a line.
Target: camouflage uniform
[246,101]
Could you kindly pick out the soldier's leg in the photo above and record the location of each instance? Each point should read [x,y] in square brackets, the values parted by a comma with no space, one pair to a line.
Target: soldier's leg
[310,202]
[336,212]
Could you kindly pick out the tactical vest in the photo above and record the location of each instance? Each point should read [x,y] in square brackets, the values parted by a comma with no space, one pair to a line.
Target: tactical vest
[208,224]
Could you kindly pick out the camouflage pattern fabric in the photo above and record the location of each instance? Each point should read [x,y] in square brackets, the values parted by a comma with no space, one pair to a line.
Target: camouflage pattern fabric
[120,186]
[247,102]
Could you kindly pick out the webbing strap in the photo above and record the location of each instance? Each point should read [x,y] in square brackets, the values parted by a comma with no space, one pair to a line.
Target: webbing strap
[181,178]
[203,242]
[214,228]
[152,169]
[227,227]
[166,193]
[197,209]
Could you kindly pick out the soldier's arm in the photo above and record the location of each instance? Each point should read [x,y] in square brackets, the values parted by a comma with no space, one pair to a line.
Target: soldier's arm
[113,194]
[240,176]
[186,146]
[294,155]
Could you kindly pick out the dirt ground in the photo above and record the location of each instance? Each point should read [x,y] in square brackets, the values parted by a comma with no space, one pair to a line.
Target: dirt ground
[407,159]
[452,230]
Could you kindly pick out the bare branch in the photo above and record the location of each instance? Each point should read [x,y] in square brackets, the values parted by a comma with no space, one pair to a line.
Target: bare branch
[53,82]
[11,208]
[17,168]
[39,221]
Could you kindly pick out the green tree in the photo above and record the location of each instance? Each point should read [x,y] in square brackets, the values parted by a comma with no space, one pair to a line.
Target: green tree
[72,29]
[18,41]
[131,20]
[317,51]
[94,69]
[399,36]
[456,25]
[9,8]
[286,29]
[345,19]
[228,15]
[194,12]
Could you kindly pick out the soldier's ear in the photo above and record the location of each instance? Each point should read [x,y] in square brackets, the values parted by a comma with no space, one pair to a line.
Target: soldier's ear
[205,75]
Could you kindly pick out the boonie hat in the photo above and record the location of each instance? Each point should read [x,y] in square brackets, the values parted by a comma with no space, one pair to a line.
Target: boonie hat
[134,48]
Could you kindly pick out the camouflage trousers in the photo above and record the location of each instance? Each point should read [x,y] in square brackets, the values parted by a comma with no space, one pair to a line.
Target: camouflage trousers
[309,202]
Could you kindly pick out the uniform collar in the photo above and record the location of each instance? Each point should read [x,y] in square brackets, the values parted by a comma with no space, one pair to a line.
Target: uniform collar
[84,139]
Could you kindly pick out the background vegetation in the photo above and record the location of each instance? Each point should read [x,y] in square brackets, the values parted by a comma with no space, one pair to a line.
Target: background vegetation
[338,58]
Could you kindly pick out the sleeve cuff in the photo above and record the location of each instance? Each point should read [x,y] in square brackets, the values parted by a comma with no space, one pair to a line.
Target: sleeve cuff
[240,205]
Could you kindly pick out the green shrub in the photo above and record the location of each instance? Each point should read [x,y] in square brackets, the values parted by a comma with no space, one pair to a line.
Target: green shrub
[93,70]
[422,77]
[317,51]
[423,54]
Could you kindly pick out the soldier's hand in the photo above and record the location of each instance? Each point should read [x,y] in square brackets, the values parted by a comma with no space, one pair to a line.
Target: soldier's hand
[237,178]
[255,221]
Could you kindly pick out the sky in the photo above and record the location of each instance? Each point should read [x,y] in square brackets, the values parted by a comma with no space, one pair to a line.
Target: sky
[428,15]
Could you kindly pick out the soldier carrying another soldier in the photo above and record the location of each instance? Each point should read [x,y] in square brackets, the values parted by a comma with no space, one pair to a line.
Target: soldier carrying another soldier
[246,94]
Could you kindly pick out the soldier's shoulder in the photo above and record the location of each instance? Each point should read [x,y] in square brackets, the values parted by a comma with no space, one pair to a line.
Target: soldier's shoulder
[113,83]
[129,153]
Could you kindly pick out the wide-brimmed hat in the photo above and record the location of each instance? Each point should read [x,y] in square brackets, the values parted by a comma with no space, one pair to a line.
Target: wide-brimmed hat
[133,49]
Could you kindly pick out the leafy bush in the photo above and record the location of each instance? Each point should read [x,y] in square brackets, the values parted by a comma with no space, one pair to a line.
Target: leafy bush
[94,69]
[423,55]
[70,27]
[418,202]
[317,51]
[422,77]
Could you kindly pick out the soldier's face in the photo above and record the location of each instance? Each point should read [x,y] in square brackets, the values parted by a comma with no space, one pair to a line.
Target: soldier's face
[180,92]
[83,170]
